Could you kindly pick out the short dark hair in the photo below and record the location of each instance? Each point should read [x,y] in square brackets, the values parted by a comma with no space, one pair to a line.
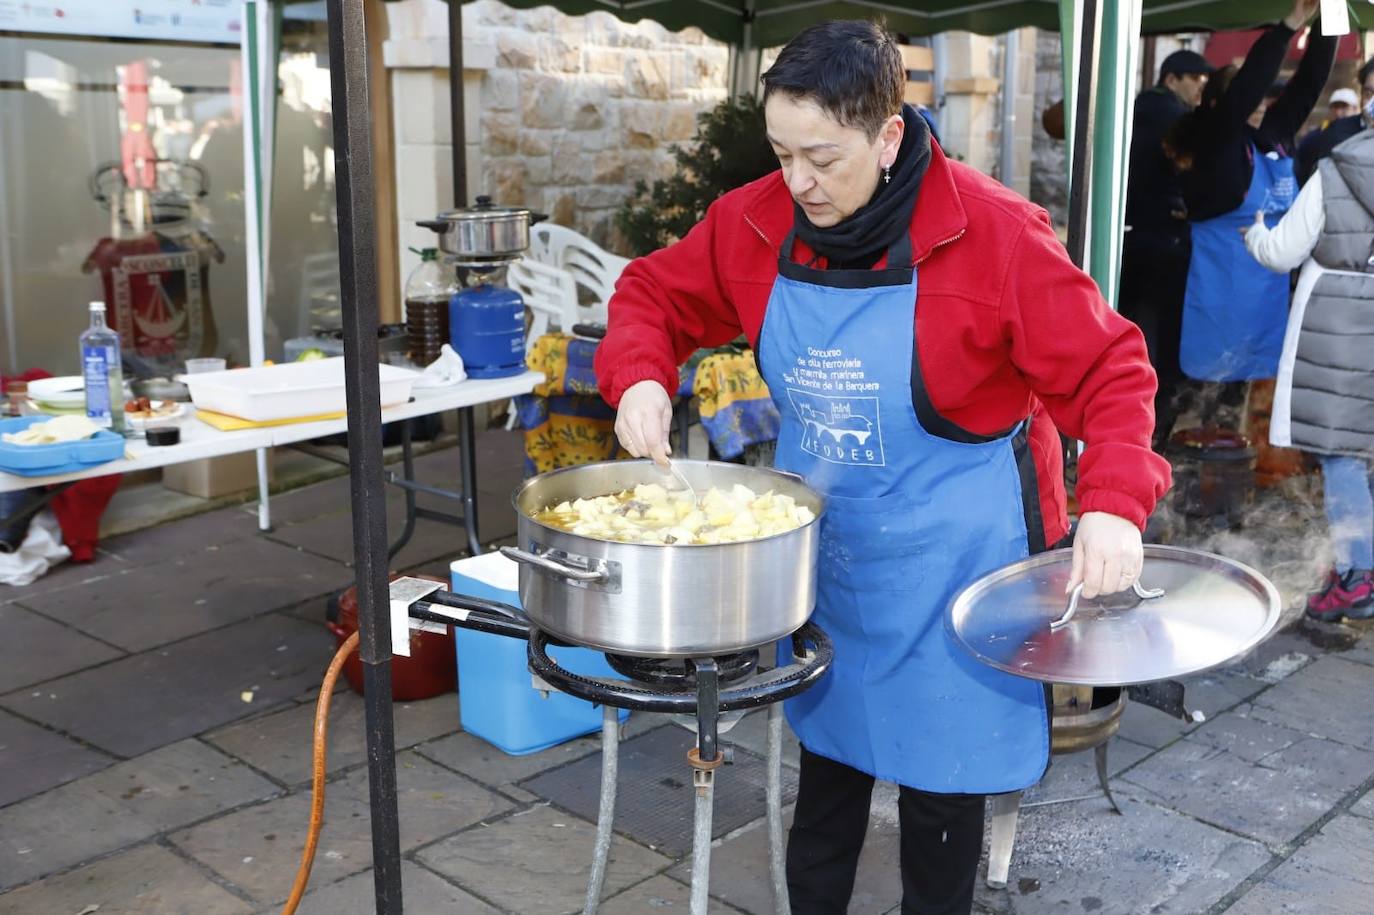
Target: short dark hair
[1366,70]
[850,67]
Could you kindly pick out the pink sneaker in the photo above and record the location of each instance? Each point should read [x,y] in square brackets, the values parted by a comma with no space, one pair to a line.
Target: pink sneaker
[1341,596]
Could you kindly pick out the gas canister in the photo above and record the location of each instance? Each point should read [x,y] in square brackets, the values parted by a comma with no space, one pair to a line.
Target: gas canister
[487,324]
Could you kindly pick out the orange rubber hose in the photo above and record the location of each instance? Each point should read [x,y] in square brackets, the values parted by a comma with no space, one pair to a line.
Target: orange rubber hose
[312,839]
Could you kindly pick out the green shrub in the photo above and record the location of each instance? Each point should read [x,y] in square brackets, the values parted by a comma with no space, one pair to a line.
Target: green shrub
[729,149]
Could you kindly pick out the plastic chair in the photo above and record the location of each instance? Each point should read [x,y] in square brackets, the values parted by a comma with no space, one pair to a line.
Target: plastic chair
[550,294]
[593,268]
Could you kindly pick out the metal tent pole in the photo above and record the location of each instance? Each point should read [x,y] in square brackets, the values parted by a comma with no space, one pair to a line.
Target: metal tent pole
[457,115]
[348,73]
[1085,115]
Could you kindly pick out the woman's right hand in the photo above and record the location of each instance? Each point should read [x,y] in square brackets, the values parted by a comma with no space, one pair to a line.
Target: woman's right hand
[1303,10]
[643,420]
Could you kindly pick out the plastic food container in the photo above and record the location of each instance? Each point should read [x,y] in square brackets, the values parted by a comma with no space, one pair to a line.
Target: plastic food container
[495,698]
[291,390]
[63,457]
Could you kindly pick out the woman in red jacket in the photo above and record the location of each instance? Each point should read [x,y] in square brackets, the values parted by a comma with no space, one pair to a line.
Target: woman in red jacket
[922,333]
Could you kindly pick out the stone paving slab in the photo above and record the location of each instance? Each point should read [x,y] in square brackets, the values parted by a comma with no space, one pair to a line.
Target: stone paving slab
[1078,858]
[331,536]
[422,891]
[739,865]
[659,893]
[154,604]
[258,848]
[186,535]
[479,760]
[655,800]
[149,700]
[35,649]
[122,805]
[1364,806]
[1363,651]
[1210,693]
[146,880]
[1272,797]
[1333,874]
[280,743]
[34,759]
[1286,651]
[536,861]
[1074,775]
[1319,699]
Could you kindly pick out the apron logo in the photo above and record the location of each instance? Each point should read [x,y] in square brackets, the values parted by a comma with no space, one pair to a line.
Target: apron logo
[842,430]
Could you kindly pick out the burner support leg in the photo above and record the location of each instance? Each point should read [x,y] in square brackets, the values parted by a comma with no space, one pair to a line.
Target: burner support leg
[1005,810]
[1100,758]
[777,868]
[605,814]
[705,783]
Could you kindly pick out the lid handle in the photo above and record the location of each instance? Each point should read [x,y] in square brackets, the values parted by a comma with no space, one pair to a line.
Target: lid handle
[483,202]
[1140,590]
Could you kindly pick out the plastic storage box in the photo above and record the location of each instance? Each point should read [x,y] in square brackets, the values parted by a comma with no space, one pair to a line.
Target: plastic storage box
[63,457]
[494,693]
[296,389]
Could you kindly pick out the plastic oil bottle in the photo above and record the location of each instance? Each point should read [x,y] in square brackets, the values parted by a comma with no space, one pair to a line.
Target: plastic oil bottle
[103,372]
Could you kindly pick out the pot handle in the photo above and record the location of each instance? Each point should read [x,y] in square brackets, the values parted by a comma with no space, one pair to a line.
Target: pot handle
[1140,590]
[553,567]
[439,226]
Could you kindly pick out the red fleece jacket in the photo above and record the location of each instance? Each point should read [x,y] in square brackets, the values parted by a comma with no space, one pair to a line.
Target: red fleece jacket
[1007,327]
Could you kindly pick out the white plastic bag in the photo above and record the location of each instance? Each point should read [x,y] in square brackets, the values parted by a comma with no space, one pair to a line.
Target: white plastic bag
[41,550]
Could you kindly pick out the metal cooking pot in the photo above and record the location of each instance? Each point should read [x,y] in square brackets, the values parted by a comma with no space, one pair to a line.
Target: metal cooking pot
[652,600]
[483,232]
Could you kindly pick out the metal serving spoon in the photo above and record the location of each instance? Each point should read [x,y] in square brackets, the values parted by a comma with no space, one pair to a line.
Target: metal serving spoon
[681,478]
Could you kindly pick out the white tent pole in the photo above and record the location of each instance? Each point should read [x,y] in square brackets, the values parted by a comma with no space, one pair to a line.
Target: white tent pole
[745,57]
[253,219]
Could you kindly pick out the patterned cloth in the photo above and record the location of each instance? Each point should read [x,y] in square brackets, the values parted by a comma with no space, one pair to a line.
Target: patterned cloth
[567,423]
[736,409]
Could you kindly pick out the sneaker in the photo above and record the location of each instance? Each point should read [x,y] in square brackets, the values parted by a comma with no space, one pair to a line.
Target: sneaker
[1343,596]
[1359,584]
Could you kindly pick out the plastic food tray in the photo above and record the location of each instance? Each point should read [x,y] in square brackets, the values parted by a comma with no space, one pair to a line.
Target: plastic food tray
[64,457]
[291,390]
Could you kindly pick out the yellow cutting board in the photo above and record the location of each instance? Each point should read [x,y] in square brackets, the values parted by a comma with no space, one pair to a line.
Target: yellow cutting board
[226,423]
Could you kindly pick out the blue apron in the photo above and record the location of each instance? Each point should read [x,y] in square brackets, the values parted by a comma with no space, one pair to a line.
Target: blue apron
[1235,311]
[911,518]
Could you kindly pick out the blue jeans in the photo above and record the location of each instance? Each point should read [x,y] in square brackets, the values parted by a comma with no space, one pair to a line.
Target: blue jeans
[1349,510]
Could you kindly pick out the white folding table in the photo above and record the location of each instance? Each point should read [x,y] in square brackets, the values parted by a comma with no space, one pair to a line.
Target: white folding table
[199,440]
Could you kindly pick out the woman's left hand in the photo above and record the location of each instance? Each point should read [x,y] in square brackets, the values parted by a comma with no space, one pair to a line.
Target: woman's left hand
[1107,554]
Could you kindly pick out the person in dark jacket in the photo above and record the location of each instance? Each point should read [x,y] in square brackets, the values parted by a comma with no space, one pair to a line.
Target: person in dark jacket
[1235,156]
[1318,144]
[1154,259]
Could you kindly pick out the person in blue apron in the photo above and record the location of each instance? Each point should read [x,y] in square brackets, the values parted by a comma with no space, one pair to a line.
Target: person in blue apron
[922,332]
[1234,152]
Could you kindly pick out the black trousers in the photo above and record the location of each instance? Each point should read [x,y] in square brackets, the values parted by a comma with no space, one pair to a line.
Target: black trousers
[1154,279]
[942,842]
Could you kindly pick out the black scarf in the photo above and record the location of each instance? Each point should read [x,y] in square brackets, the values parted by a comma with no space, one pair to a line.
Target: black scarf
[859,241]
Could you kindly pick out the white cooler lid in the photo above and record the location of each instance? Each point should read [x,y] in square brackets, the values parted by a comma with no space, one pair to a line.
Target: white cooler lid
[491,569]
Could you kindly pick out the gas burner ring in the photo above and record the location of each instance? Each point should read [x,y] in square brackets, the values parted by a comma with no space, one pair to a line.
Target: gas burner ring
[811,646]
[681,673]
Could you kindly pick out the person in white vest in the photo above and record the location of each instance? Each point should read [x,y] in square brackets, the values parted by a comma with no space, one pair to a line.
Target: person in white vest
[1324,400]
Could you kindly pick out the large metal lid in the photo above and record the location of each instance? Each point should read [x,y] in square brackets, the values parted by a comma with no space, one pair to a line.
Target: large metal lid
[1211,611]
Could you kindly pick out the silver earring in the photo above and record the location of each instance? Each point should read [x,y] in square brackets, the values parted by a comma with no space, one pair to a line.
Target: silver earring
[887,174]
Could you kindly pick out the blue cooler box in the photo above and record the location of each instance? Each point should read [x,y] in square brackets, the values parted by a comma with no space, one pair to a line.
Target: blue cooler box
[494,693]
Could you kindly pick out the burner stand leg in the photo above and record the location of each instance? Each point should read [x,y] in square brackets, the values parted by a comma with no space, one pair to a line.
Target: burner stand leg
[605,815]
[705,782]
[777,868]
[1100,758]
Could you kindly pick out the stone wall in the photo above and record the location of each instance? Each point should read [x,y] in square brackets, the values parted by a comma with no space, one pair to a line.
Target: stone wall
[565,113]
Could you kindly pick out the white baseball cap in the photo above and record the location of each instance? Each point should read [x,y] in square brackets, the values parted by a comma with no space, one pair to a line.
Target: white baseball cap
[1345,97]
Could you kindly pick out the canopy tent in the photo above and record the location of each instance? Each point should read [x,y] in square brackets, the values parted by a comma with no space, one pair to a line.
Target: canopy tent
[1101,40]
